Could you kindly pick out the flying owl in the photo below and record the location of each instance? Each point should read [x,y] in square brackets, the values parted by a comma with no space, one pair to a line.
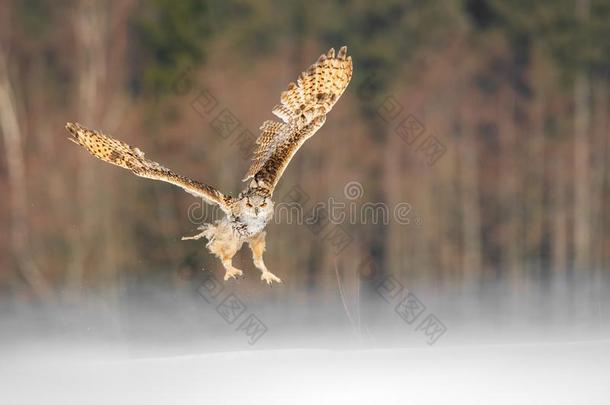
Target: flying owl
[302,112]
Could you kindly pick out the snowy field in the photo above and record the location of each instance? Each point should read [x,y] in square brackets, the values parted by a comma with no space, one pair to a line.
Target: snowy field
[167,346]
[533,373]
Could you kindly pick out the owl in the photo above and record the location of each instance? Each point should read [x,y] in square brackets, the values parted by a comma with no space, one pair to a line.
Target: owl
[301,112]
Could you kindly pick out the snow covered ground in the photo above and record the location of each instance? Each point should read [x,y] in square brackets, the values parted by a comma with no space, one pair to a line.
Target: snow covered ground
[532,373]
[540,344]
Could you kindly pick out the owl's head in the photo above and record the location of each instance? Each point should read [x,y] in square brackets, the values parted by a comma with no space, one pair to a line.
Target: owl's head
[254,205]
[257,203]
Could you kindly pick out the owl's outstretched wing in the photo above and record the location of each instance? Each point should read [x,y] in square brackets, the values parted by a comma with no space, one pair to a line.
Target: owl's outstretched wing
[303,111]
[120,154]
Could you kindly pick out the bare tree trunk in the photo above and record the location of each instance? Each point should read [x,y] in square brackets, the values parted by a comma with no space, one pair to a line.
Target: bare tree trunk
[535,186]
[471,221]
[90,34]
[559,214]
[582,202]
[510,189]
[20,239]
[582,179]
[598,170]
[604,216]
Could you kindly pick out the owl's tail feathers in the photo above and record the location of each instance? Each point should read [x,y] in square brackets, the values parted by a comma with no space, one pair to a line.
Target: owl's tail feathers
[111,150]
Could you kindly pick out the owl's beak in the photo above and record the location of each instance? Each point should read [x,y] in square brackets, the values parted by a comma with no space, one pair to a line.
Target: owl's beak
[256,210]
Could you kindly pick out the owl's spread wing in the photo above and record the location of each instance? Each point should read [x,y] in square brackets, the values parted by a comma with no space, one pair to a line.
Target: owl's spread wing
[303,111]
[120,154]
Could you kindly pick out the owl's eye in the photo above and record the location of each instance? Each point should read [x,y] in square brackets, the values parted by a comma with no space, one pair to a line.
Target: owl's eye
[263,205]
[249,205]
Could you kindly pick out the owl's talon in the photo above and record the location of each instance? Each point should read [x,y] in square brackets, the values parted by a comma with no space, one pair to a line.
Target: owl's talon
[269,277]
[233,273]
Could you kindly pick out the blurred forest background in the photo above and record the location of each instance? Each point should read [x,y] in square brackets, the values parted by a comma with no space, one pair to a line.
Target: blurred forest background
[517,93]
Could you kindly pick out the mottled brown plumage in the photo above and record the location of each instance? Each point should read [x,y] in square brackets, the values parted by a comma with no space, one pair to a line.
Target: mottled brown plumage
[120,154]
[302,110]
[274,166]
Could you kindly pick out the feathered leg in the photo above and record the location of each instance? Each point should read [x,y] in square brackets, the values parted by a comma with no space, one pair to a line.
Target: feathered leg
[257,245]
[230,271]
[222,244]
